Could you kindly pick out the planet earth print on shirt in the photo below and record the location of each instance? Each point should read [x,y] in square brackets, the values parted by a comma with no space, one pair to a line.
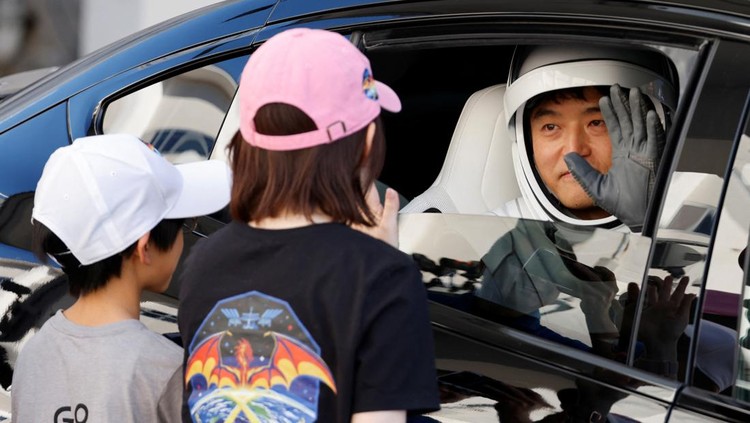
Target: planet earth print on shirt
[252,360]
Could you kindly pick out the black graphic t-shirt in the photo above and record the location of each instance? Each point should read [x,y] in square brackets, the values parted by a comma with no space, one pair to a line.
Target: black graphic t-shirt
[301,325]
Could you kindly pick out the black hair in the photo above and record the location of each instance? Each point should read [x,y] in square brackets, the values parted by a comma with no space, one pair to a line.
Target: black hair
[84,279]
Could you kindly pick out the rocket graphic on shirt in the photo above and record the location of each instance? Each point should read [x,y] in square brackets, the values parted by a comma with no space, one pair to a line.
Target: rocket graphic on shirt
[252,360]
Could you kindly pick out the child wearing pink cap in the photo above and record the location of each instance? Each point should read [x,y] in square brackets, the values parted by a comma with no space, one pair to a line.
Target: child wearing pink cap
[287,313]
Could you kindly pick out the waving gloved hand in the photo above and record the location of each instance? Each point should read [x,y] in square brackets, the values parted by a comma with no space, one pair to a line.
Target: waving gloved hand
[637,142]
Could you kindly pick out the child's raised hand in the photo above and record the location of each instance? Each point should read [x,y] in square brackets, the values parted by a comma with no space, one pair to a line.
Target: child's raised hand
[386,216]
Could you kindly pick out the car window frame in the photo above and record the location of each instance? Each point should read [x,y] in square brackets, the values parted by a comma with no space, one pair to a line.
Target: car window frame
[693,399]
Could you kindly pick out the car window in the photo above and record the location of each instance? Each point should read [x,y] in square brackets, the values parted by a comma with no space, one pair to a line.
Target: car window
[561,283]
[703,229]
[727,273]
[181,115]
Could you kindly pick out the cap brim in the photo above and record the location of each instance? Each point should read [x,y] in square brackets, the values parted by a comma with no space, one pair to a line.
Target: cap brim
[206,188]
[387,98]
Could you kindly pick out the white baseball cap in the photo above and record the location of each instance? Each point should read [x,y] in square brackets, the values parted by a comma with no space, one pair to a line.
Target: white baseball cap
[100,194]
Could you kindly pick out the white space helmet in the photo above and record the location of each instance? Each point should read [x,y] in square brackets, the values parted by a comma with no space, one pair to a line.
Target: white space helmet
[540,69]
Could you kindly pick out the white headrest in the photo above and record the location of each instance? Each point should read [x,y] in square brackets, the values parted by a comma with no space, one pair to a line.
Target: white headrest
[477,174]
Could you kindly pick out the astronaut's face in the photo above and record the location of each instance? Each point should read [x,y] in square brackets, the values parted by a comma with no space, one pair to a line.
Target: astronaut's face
[565,124]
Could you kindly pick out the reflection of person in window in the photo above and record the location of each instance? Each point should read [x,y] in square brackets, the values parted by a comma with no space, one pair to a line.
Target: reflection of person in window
[527,269]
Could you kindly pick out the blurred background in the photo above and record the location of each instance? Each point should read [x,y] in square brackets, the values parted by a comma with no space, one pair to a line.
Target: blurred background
[43,33]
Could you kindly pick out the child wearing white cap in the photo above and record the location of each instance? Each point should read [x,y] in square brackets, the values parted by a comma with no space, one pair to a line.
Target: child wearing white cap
[287,313]
[110,210]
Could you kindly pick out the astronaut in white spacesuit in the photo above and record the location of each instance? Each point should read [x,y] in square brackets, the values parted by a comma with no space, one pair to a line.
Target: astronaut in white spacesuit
[588,131]
[585,153]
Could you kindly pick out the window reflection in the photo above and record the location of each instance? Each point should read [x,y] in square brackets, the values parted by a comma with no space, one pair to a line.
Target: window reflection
[563,283]
[686,231]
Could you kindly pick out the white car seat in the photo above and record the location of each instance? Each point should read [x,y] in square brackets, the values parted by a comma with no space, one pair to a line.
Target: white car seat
[477,175]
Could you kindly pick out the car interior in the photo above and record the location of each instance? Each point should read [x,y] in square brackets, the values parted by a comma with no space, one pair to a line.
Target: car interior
[475,162]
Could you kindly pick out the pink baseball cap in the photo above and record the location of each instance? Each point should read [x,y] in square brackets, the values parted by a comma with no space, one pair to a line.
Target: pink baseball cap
[320,72]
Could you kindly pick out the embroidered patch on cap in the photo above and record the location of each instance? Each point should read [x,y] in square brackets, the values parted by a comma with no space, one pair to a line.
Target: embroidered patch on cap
[368,85]
[152,148]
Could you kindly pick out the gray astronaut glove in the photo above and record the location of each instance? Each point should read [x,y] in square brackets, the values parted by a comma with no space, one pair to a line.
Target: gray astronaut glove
[637,143]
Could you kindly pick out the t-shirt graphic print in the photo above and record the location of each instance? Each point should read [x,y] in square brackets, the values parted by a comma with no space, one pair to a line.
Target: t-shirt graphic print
[253,360]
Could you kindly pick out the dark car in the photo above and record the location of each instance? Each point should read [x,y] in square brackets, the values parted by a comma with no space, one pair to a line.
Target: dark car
[174,85]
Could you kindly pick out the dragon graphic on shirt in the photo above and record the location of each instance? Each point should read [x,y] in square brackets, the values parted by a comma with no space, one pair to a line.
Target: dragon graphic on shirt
[242,368]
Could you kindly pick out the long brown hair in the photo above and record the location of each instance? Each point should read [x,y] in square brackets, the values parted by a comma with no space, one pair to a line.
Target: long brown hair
[332,178]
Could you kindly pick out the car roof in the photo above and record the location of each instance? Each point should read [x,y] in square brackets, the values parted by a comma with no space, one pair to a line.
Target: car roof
[289,9]
[224,19]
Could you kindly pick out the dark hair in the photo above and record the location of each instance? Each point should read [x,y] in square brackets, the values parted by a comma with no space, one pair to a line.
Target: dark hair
[557,96]
[86,279]
[332,178]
